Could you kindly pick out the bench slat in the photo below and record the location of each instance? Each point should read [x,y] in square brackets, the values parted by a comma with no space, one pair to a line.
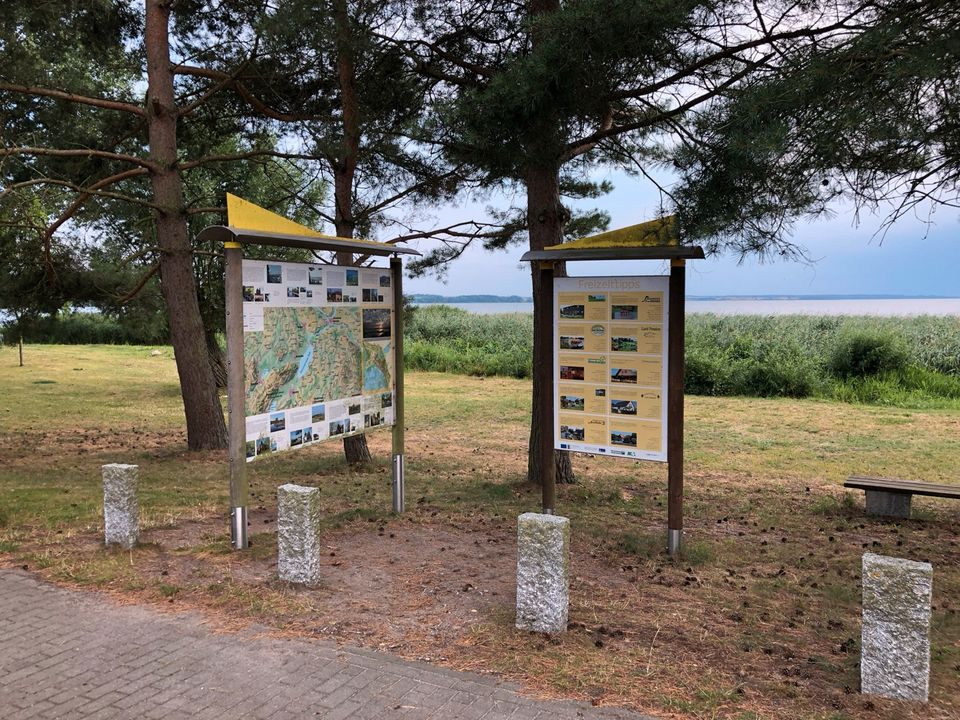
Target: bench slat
[904,486]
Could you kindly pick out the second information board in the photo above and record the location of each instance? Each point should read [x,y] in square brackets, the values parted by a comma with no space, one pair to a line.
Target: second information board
[610,365]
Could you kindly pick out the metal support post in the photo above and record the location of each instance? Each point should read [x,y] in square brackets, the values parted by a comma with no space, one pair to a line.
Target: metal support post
[233,255]
[398,489]
[675,363]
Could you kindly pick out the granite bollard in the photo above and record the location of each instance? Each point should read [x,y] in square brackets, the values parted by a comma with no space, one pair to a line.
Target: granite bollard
[121,511]
[895,639]
[543,572]
[298,542]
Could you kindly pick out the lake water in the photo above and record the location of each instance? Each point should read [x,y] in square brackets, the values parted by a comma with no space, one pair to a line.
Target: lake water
[798,306]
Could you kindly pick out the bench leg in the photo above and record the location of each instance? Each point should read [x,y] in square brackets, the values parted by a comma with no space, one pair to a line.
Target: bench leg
[891,504]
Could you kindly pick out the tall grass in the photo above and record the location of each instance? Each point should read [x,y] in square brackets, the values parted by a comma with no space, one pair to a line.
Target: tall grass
[929,342]
[901,361]
[879,360]
[447,339]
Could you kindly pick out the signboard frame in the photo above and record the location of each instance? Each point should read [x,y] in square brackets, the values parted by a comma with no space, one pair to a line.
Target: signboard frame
[254,225]
[588,311]
[653,240]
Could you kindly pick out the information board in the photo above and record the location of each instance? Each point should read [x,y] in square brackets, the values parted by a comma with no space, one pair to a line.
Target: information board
[610,365]
[318,353]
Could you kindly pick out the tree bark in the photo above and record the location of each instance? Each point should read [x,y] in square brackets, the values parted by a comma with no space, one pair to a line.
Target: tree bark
[218,359]
[201,403]
[545,219]
[355,448]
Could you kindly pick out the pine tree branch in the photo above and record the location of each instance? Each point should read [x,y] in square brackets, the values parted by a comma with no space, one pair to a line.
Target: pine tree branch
[221,84]
[586,147]
[92,191]
[17,186]
[73,97]
[246,156]
[436,49]
[78,203]
[252,100]
[80,153]
[410,191]
[657,118]
[732,52]
[453,231]
[206,210]
[141,284]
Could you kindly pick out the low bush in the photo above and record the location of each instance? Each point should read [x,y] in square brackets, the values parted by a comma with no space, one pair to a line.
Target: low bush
[866,353]
[707,373]
[900,361]
[84,328]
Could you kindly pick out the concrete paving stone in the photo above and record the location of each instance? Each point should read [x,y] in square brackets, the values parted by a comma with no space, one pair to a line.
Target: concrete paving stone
[362,680]
[99,661]
[505,708]
[32,712]
[103,701]
[334,683]
[419,698]
[331,700]
[208,713]
[113,684]
[133,698]
[343,711]
[71,707]
[525,713]
[107,713]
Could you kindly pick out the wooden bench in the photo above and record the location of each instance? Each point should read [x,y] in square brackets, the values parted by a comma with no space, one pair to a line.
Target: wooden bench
[886,496]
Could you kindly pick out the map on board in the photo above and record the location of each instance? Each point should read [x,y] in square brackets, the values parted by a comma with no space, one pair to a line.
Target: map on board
[318,353]
[306,355]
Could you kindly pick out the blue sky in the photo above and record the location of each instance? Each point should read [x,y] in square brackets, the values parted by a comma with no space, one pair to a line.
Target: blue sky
[847,258]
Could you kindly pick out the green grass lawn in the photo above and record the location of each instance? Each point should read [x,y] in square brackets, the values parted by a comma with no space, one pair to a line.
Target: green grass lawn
[760,618]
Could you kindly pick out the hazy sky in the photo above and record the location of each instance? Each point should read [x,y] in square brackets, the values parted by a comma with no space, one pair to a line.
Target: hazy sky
[913,259]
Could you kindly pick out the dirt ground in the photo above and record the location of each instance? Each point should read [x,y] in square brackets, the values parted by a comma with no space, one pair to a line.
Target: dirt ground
[442,590]
[408,588]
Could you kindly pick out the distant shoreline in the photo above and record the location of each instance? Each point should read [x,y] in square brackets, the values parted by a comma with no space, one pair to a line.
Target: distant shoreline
[422,299]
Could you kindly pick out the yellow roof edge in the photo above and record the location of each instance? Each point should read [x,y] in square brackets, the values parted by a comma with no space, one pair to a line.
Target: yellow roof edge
[314,235]
[245,215]
[660,232]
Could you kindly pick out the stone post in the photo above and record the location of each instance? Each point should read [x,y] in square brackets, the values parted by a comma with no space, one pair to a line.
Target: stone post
[298,543]
[121,512]
[543,572]
[895,640]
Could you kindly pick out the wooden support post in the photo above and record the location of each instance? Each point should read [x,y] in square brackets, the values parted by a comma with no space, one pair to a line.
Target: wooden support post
[544,374]
[675,369]
[233,256]
[398,486]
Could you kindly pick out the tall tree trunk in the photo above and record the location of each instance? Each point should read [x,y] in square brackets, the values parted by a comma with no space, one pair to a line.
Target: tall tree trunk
[355,448]
[545,219]
[201,403]
[218,358]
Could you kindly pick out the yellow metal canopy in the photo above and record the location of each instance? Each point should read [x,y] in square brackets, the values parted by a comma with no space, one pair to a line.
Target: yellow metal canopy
[244,215]
[249,223]
[651,240]
[660,232]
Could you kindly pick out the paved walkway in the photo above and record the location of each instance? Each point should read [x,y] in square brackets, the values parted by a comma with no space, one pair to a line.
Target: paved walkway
[68,654]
